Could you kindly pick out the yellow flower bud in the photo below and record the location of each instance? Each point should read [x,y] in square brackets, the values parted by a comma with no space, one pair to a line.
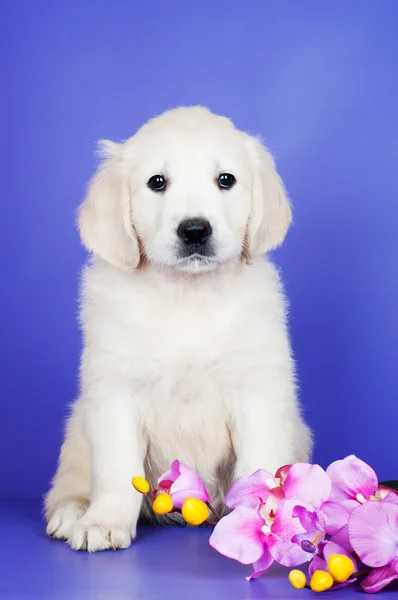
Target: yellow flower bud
[340,567]
[162,504]
[297,579]
[321,581]
[141,485]
[194,511]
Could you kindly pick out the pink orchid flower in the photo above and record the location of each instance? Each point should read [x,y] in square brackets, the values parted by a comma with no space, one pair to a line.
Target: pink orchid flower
[373,530]
[353,483]
[303,482]
[259,537]
[182,482]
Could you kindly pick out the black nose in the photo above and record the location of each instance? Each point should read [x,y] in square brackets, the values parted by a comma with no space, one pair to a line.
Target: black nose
[194,232]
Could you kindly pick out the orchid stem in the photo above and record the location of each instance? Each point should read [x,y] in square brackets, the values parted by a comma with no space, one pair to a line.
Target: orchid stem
[361,572]
[215,513]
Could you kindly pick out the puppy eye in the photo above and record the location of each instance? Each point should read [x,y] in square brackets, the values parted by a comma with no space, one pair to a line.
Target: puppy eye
[226,181]
[157,183]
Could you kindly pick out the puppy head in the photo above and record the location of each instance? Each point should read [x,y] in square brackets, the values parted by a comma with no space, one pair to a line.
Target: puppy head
[189,192]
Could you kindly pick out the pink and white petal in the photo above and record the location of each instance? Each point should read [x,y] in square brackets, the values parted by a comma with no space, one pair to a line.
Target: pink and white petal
[277,494]
[342,538]
[308,483]
[378,579]
[172,473]
[283,530]
[350,477]
[282,473]
[261,565]
[317,564]
[239,536]
[373,531]
[337,514]
[188,485]
[249,491]
[333,548]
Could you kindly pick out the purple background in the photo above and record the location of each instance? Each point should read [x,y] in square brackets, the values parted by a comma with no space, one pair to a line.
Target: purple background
[317,79]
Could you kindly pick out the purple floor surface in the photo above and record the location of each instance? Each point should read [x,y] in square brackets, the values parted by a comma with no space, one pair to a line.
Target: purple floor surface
[163,564]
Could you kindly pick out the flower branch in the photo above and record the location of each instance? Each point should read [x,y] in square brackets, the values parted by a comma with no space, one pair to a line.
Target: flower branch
[340,522]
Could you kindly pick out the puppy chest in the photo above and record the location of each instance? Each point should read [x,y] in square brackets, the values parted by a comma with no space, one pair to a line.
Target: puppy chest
[198,336]
[186,418]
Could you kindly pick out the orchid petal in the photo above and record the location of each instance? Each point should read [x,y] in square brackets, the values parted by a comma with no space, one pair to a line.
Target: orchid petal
[309,483]
[342,538]
[239,536]
[282,473]
[337,514]
[351,477]
[373,530]
[317,564]
[249,491]
[187,485]
[391,497]
[261,565]
[338,586]
[286,527]
[172,473]
[379,578]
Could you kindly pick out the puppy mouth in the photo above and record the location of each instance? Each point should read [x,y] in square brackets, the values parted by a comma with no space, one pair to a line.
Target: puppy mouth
[196,257]
[198,251]
[196,263]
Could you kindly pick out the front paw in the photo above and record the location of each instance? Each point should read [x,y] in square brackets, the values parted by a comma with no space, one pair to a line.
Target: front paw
[64,516]
[102,528]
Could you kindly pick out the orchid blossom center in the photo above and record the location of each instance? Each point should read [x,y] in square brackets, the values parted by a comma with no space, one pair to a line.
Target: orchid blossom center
[318,537]
[361,499]
[268,511]
[266,529]
[164,488]
[272,483]
[311,546]
[377,496]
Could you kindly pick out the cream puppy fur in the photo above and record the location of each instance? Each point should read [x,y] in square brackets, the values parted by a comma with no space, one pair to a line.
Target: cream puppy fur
[186,350]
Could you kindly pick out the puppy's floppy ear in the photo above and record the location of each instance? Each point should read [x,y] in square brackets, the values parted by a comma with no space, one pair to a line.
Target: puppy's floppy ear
[271,214]
[104,219]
